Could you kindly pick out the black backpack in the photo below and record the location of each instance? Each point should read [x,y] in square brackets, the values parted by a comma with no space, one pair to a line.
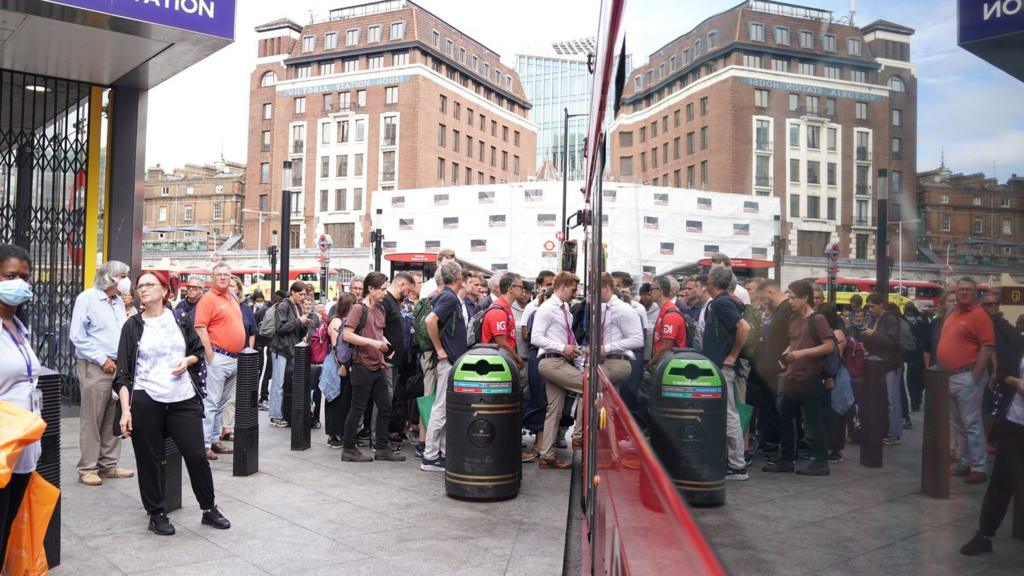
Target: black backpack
[476,324]
[830,362]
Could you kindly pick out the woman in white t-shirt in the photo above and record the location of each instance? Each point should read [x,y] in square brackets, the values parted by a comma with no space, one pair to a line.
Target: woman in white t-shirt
[159,384]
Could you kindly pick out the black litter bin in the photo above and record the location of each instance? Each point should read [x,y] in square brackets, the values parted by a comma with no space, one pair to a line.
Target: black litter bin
[688,413]
[484,426]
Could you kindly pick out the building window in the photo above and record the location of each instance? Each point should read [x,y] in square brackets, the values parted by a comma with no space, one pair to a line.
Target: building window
[1004,203]
[762,139]
[896,84]
[813,207]
[357,161]
[794,206]
[441,132]
[794,169]
[897,118]
[860,250]
[830,106]
[813,172]
[833,71]
[268,111]
[373,34]
[704,106]
[360,101]
[780,64]
[979,224]
[689,112]
[455,174]
[811,102]
[794,135]
[265,173]
[976,201]
[360,131]
[390,136]
[515,165]
[297,175]
[831,137]
[162,214]
[399,58]
[676,148]
[705,139]
[268,79]
[853,46]
[831,174]
[298,139]
[690,142]
[351,65]
[187,213]
[504,133]
[782,35]
[304,71]
[897,148]
[896,180]
[713,39]
[300,105]
[858,76]
[391,95]
[805,68]
[761,169]
[828,43]
[756,32]
[794,102]
[374,62]
[690,176]
[861,109]
[1007,227]
[946,222]
[340,201]
[342,168]
[944,199]
[325,166]
[357,199]
[456,140]
[264,203]
[440,170]
[323,200]
[165,191]
[515,138]
[352,37]
[806,39]
[326,69]
[330,40]
[308,43]
[626,165]
[814,137]
[449,47]
[752,60]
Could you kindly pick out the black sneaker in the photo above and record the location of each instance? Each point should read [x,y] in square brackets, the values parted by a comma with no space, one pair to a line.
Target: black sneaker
[364,434]
[779,466]
[907,424]
[814,468]
[978,544]
[736,474]
[279,423]
[892,440]
[334,442]
[835,457]
[263,406]
[420,447]
[213,517]
[160,524]
[315,425]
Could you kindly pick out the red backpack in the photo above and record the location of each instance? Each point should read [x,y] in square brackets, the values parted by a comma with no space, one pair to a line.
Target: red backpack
[319,343]
[853,358]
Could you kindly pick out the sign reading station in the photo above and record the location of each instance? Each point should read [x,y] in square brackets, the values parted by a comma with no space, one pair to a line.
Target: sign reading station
[209,17]
[342,86]
[808,89]
[984,19]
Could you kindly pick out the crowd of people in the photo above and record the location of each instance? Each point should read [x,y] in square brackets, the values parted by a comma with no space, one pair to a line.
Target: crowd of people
[382,354]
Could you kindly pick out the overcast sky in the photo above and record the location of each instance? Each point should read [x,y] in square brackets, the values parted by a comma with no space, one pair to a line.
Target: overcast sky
[969,109]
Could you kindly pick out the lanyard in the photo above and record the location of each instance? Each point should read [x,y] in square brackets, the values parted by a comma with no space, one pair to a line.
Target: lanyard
[25,355]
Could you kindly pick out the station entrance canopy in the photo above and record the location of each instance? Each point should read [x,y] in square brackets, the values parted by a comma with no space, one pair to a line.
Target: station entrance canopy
[993,30]
[74,75]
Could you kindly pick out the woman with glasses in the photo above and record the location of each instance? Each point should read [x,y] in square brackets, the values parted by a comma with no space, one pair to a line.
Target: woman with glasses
[157,383]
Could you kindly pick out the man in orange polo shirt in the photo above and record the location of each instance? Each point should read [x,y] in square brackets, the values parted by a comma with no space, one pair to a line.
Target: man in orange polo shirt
[965,350]
[220,327]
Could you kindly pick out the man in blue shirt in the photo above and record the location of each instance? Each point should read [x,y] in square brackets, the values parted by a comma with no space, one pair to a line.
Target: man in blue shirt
[95,332]
[447,329]
[187,306]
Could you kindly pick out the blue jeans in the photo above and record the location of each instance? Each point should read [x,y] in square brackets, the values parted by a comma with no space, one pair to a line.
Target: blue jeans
[965,413]
[894,393]
[220,385]
[277,385]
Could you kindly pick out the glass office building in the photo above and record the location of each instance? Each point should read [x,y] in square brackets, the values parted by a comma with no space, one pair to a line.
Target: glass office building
[556,79]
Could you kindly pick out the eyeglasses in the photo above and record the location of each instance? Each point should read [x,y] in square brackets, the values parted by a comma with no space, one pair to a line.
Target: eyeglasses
[146,285]
[516,286]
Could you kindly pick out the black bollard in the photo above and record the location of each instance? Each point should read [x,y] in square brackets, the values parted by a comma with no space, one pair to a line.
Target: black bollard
[300,416]
[171,477]
[1018,515]
[874,412]
[246,459]
[935,447]
[49,461]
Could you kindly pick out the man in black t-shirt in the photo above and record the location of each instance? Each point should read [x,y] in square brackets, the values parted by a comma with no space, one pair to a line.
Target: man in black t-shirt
[394,331]
[446,326]
[774,339]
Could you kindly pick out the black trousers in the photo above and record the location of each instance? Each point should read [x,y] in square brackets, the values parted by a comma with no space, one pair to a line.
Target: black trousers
[835,424]
[336,410]
[810,400]
[318,397]
[153,421]
[915,379]
[1007,480]
[10,501]
[767,407]
[368,385]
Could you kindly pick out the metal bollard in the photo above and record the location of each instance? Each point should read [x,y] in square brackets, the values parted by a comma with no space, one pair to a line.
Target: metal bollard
[246,459]
[1018,516]
[300,415]
[935,447]
[874,410]
[171,476]
[49,461]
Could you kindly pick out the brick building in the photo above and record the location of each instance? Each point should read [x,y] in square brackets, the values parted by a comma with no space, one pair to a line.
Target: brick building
[197,207]
[769,99]
[977,219]
[378,96]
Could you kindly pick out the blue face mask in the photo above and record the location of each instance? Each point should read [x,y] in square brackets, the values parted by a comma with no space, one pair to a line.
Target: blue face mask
[15,292]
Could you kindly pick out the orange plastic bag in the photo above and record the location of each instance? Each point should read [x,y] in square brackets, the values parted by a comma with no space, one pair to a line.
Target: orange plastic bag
[25,554]
[18,428]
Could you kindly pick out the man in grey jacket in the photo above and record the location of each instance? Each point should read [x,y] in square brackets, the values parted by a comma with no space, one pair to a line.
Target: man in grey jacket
[290,328]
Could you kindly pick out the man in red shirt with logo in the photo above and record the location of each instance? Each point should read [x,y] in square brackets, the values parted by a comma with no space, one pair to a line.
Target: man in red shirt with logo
[499,326]
[670,327]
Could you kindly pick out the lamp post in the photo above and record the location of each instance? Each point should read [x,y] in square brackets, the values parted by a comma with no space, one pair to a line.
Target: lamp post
[272,254]
[259,237]
[286,215]
[881,239]
[900,223]
[377,238]
[777,246]
[565,168]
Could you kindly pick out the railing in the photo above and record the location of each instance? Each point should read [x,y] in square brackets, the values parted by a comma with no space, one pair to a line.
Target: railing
[343,107]
[762,181]
[298,146]
[861,189]
[863,155]
[764,144]
[861,221]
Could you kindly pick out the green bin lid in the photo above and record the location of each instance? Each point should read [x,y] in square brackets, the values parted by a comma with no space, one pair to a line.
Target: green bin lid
[483,368]
[689,372]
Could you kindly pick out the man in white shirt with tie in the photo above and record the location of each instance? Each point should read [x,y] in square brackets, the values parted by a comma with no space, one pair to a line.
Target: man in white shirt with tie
[621,333]
[552,334]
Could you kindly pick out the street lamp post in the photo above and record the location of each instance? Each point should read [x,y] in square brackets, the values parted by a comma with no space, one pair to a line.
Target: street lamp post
[259,237]
[565,168]
[881,230]
[286,215]
[900,223]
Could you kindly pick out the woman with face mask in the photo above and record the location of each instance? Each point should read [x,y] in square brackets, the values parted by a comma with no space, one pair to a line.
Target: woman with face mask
[19,373]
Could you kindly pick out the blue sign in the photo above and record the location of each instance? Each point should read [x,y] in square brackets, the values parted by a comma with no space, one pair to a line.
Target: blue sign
[807,89]
[984,19]
[342,86]
[209,17]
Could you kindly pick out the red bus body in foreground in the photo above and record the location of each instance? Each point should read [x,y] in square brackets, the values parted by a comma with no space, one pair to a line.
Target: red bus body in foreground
[641,525]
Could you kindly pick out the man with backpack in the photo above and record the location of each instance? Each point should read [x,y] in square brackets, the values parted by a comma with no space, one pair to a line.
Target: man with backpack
[883,340]
[290,326]
[725,333]
[497,324]
[264,334]
[803,385]
[447,330]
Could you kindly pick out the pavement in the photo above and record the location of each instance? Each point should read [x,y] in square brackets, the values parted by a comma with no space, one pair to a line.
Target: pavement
[309,513]
[862,521]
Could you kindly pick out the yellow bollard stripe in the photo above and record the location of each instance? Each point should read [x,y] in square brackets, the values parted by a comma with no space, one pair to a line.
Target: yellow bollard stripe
[92,187]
